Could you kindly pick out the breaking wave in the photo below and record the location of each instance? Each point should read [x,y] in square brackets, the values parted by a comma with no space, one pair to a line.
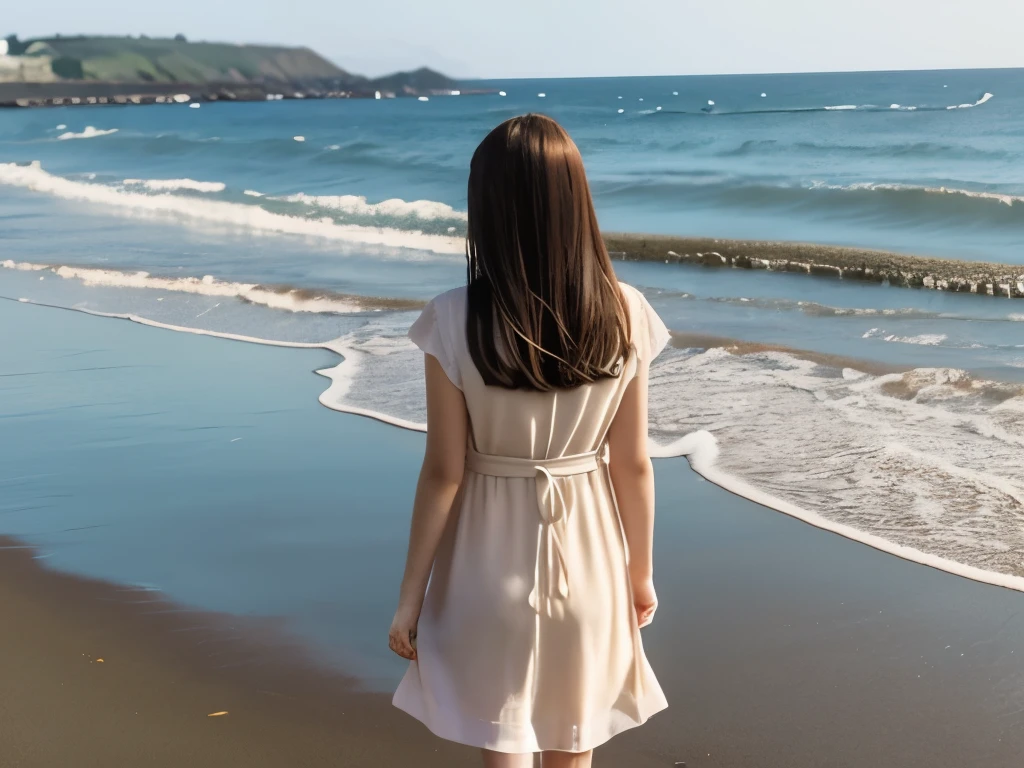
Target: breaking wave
[713,108]
[357,205]
[90,132]
[249,217]
[170,185]
[923,339]
[286,298]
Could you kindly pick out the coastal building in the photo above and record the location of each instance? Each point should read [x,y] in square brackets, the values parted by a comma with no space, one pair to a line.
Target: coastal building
[34,67]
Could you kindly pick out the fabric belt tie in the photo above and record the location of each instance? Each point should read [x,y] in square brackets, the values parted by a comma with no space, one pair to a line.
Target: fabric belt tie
[552,576]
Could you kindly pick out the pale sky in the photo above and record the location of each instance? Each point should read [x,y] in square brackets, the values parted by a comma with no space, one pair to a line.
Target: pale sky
[557,38]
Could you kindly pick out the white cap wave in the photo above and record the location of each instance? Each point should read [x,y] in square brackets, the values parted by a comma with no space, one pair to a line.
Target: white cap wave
[248,217]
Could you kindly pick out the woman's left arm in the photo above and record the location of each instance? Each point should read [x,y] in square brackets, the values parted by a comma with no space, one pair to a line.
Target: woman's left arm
[440,477]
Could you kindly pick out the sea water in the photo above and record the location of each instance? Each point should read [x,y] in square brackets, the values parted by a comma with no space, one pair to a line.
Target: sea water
[890,415]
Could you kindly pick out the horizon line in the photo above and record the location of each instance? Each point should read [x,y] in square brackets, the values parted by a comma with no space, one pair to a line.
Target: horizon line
[883,70]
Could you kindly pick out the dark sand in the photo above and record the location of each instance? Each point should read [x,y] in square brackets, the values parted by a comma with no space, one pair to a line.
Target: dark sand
[778,645]
[164,671]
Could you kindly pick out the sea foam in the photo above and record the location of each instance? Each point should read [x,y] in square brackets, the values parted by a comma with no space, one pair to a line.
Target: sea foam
[870,186]
[421,209]
[170,185]
[247,217]
[90,132]
[287,299]
[922,339]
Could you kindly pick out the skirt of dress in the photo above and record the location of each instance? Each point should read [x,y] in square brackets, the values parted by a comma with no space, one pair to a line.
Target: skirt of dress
[523,646]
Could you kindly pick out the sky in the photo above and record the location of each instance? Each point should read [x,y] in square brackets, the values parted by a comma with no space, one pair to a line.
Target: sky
[583,38]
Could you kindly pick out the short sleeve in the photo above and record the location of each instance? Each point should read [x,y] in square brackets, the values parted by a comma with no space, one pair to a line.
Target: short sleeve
[432,332]
[650,334]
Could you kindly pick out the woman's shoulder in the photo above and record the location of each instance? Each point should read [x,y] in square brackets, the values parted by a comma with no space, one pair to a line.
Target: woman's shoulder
[629,292]
[650,335]
[451,301]
[635,300]
[439,330]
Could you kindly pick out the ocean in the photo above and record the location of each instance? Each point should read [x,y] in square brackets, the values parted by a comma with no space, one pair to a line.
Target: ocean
[893,416]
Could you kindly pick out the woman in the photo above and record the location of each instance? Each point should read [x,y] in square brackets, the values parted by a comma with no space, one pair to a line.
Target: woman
[534,512]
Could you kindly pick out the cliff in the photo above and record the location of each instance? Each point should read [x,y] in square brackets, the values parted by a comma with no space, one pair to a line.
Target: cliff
[144,60]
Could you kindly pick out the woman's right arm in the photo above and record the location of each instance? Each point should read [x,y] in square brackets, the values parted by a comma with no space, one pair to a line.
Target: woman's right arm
[633,480]
[440,477]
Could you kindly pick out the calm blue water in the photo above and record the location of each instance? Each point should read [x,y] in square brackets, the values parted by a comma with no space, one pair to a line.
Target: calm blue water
[184,216]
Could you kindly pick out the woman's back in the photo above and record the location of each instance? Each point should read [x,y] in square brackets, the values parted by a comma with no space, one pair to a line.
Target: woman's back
[527,423]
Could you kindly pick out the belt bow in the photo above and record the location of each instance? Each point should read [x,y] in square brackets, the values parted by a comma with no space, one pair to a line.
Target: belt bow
[551,570]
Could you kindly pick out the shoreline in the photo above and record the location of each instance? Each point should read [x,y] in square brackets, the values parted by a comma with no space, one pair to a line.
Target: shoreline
[699,448]
[844,263]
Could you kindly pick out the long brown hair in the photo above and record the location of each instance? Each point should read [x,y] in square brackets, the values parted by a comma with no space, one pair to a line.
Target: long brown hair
[544,307]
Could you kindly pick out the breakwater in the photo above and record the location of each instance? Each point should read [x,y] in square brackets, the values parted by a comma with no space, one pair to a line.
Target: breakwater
[905,270]
[94,93]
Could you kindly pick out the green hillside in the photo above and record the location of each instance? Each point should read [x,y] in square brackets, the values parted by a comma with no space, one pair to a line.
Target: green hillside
[166,60]
[422,79]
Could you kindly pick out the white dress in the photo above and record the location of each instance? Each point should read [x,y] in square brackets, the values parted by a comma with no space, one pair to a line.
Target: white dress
[528,638]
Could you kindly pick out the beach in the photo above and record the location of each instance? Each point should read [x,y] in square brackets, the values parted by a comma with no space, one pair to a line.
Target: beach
[258,576]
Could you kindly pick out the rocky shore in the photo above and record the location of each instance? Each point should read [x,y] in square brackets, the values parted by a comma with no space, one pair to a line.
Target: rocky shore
[985,278]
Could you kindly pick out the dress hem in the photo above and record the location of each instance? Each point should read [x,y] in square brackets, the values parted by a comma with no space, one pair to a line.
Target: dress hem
[460,733]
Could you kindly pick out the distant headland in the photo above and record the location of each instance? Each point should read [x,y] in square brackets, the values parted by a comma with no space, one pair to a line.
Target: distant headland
[61,71]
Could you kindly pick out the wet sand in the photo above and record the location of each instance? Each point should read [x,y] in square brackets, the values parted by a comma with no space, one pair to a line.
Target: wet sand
[777,644]
[99,675]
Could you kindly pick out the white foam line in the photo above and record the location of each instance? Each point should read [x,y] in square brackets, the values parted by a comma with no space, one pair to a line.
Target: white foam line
[979,102]
[165,185]
[890,187]
[341,377]
[249,217]
[287,300]
[912,108]
[197,331]
[701,449]
[357,204]
[23,266]
[90,132]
